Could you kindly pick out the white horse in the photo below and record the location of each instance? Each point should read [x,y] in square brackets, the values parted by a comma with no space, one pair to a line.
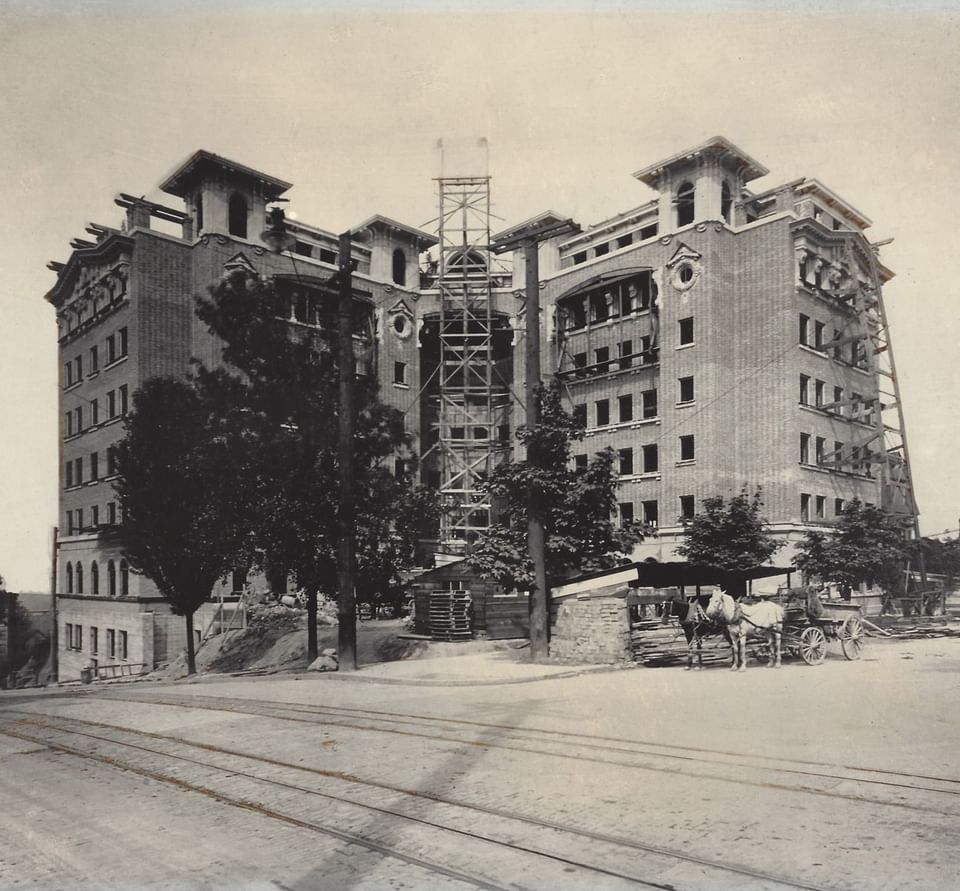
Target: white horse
[741,619]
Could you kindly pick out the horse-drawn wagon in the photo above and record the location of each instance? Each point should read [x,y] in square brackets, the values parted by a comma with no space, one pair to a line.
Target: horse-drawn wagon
[809,623]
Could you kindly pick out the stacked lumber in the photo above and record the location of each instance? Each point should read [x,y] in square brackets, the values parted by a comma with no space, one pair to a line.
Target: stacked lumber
[450,615]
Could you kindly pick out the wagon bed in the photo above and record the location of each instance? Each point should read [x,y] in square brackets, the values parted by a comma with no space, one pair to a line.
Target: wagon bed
[810,622]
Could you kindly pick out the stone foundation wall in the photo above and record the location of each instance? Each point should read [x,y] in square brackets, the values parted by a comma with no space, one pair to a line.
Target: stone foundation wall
[595,631]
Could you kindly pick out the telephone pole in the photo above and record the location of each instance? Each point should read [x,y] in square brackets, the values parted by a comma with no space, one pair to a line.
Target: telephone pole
[527,237]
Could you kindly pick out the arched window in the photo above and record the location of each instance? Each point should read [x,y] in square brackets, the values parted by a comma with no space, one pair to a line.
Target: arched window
[726,200]
[94,578]
[685,204]
[237,222]
[124,579]
[79,577]
[399,267]
[69,578]
[111,578]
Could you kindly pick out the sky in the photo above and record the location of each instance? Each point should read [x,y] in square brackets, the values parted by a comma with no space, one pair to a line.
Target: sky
[102,97]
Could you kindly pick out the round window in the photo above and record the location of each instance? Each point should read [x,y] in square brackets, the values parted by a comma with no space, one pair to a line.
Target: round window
[402,326]
[685,273]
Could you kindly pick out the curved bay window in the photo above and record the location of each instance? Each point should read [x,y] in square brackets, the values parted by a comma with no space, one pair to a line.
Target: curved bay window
[624,297]
[685,204]
[316,306]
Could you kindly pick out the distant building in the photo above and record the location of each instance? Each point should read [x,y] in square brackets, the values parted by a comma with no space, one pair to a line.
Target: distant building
[714,337]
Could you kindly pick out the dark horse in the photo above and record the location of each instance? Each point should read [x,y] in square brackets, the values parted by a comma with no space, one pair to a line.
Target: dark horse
[695,624]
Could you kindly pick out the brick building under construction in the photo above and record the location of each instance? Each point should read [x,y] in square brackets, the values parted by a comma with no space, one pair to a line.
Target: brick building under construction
[716,336]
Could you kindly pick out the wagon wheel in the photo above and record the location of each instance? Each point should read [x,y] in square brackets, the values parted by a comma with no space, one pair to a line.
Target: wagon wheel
[813,645]
[851,637]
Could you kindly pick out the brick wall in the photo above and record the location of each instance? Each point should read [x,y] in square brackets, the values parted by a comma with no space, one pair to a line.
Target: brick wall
[595,630]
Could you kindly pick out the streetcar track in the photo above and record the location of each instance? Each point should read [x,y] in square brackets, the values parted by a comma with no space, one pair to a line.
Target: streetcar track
[363,840]
[269,710]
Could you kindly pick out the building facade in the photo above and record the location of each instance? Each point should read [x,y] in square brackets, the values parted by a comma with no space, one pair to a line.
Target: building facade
[716,337]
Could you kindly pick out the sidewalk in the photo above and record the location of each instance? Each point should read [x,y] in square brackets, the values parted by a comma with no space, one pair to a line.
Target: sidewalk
[475,669]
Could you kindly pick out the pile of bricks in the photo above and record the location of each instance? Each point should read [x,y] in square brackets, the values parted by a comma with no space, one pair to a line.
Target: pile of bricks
[594,630]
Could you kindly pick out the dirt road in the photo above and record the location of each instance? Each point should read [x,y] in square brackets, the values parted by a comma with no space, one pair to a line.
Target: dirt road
[838,776]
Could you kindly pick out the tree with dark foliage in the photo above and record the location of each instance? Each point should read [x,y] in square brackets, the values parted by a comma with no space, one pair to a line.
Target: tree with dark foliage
[730,534]
[868,546]
[578,506]
[285,378]
[182,494]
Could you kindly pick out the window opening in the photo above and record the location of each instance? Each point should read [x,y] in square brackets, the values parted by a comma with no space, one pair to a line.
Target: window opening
[687,449]
[237,222]
[685,204]
[399,267]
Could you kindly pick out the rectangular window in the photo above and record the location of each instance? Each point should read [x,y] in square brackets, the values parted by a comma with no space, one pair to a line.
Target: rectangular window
[68,424]
[648,231]
[123,645]
[821,506]
[123,400]
[818,335]
[580,257]
[625,240]
[625,406]
[686,389]
[804,507]
[78,419]
[580,361]
[112,404]
[94,648]
[836,461]
[111,643]
[687,507]
[69,524]
[580,463]
[580,413]
[503,434]
[855,406]
[650,513]
[78,513]
[626,462]
[804,329]
[804,448]
[818,393]
[837,349]
[601,358]
[648,354]
[94,411]
[651,458]
[837,507]
[400,372]
[328,256]
[603,412]
[458,432]
[111,460]
[626,512]
[68,635]
[95,518]
[94,466]
[868,412]
[94,359]
[123,341]
[687,448]
[111,349]
[68,473]
[78,368]
[625,351]
[601,249]
[67,374]
[112,513]
[649,403]
[838,401]
[804,389]
[78,638]
[78,471]
[821,449]
[686,331]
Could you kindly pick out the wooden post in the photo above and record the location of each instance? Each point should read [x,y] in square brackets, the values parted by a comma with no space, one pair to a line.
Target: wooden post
[536,537]
[346,595]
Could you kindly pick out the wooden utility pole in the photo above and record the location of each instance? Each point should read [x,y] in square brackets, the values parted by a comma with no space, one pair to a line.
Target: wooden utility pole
[346,545]
[528,237]
[536,536]
[55,631]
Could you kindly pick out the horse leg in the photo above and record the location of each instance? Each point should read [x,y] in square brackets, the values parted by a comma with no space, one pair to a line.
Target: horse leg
[776,634]
[733,646]
[742,642]
[688,633]
[699,650]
